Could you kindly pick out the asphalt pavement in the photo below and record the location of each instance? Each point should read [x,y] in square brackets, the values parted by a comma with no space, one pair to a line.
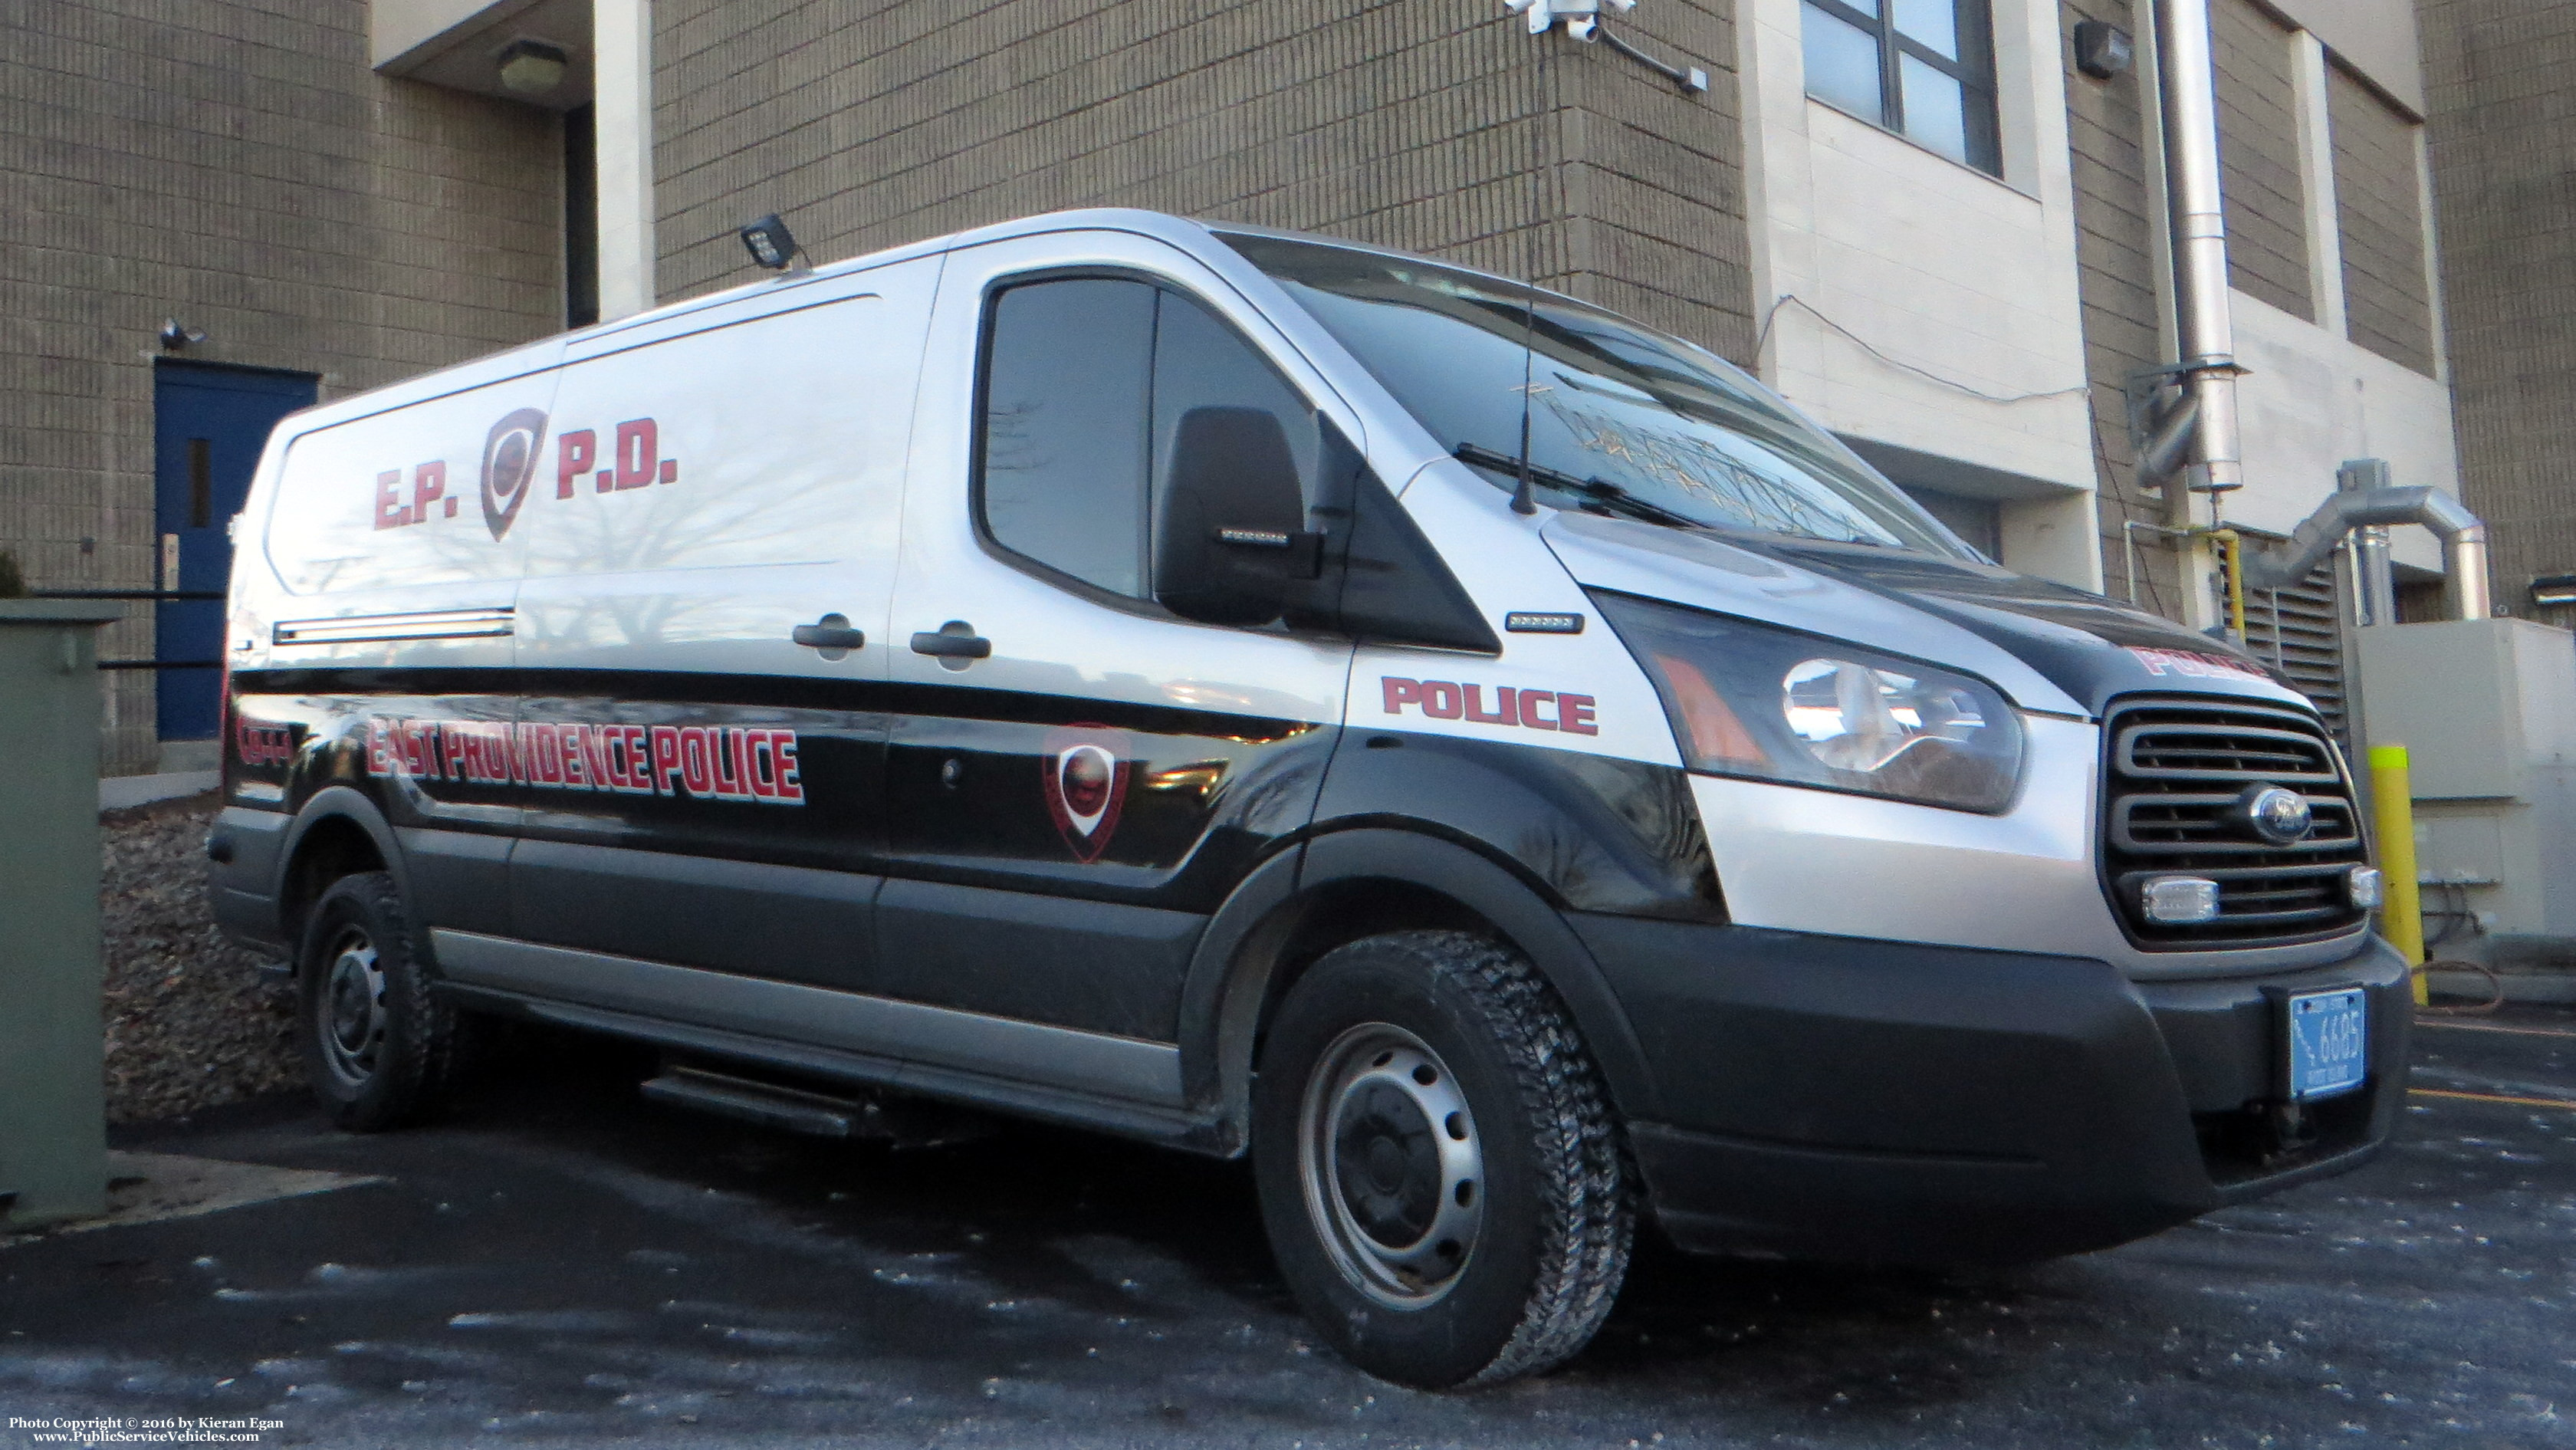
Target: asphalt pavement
[558,1262]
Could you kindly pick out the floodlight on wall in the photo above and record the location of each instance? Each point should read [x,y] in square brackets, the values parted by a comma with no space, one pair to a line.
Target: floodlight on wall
[2554,590]
[2102,50]
[531,67]
[176,334]
[770,243]
[1581,19]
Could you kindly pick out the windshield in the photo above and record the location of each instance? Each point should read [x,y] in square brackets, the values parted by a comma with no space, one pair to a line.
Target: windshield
[1622,421]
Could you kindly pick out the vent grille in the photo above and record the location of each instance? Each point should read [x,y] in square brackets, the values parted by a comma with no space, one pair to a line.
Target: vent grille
[2300,630]
[2176,779]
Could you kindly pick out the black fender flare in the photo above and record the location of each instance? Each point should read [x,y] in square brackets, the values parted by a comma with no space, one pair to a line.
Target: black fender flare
[1231,970]
[335,802]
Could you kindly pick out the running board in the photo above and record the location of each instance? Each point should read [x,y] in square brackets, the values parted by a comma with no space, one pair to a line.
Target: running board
[903,1122]
[788,1109]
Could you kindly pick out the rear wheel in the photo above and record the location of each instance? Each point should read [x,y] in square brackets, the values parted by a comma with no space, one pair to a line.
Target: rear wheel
[1439,1167]
[380,1049]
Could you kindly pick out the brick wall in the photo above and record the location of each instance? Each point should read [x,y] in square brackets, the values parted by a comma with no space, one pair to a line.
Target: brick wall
[2258,153]
[2115,219]
[2379,206]
[2502,120]
[1401,122]
[237,166]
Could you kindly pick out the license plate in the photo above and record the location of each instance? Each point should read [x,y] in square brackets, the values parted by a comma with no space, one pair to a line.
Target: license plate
[2329,1043]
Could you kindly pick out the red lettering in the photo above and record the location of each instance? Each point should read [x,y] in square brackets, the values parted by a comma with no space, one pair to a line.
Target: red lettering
[1575,713]
[763,765]
[612,752]
[666,759]
[546,755]
[638,453]
[390,513]
[592,755]
[696,771]
[1476,712]
[670,470]
[380,761]
[1529,709]
[574,454]
[639,748]
[729,786]
[791,789]
[1440,699]
[428,485]
[1400,693]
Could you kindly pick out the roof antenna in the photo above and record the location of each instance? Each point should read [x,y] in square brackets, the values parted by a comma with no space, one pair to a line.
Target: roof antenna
[1543,16]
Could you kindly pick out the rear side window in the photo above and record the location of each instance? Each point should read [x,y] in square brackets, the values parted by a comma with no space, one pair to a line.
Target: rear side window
[1086,383]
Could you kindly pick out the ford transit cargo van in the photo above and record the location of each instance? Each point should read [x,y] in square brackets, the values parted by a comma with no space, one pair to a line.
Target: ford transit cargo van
[1493,763]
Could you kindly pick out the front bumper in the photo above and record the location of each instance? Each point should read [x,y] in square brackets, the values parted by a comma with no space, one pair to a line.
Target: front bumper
[1829,1097]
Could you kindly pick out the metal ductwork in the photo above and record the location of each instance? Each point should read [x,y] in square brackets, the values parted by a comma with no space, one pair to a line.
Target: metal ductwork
[2205,441]
[2463,535]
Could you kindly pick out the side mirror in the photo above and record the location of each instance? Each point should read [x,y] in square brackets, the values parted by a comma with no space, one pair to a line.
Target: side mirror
[1231,544]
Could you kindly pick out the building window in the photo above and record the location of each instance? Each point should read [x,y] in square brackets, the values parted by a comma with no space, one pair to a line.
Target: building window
[581,216]
[1922,68]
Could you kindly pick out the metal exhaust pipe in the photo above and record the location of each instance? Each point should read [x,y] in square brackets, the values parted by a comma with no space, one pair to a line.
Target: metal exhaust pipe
[2203,327]
[2463,535]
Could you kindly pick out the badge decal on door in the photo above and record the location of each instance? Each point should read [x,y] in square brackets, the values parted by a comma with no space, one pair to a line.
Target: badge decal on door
[509,462]
[1086,770]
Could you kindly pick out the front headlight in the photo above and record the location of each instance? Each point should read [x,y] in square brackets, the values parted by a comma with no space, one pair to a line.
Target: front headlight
[1755,701]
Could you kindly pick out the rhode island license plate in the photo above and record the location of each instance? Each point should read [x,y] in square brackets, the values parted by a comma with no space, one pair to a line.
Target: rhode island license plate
[2329,1043]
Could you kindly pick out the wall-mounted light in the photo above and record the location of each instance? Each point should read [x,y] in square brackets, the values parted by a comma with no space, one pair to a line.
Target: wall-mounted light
[531,67]
[2554,590]
[176,334]
[769,242]
[2102,50]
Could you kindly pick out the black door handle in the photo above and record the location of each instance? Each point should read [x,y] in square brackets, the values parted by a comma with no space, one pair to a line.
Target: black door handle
[955,640]
[831,634]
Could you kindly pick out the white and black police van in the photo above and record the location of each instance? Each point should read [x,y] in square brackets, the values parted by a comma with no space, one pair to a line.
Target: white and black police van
[1493,763]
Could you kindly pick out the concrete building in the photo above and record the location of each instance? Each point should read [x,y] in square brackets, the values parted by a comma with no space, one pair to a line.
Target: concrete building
[1918,218]
[232,174]
[2503,142]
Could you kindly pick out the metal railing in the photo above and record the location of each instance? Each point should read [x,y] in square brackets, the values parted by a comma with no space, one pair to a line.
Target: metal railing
[155,596]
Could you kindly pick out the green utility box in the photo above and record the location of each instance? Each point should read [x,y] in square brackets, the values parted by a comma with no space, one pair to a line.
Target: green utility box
[53,1119]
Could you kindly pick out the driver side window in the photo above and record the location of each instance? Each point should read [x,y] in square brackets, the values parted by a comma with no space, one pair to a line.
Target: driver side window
[1086,383]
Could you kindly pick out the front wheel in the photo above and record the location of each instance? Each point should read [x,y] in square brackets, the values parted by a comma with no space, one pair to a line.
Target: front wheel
[380,1048]
[1439,1166]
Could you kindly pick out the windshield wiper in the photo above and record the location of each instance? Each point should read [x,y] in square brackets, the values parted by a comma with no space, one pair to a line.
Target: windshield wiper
[1596,493]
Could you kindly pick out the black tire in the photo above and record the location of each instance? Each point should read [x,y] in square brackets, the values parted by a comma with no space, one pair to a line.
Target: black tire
[380,1048]
[1430,1247]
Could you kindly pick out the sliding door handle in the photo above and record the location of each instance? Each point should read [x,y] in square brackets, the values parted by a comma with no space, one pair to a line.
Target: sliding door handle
[955,640]
[831,634]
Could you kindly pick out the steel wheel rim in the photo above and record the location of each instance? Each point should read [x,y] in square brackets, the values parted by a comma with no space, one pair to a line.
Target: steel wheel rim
[1391,1165]
[352,1028]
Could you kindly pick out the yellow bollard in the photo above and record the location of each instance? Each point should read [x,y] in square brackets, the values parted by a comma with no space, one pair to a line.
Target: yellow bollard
[2401,911]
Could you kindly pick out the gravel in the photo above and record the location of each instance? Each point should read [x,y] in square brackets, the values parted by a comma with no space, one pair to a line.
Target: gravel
[190,1023]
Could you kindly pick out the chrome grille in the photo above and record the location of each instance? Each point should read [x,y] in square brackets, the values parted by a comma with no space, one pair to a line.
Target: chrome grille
[2174,778]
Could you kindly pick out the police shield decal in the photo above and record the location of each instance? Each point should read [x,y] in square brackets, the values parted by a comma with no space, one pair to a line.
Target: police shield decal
[1086,769]
[509,462]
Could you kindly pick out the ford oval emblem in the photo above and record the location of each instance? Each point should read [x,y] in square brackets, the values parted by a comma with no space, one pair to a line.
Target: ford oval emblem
[2278,815]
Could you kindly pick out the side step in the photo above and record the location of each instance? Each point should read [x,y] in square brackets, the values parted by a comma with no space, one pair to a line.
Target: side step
[902,1122]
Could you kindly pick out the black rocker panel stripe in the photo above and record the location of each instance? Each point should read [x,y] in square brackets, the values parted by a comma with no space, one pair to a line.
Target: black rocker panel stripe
[943,792]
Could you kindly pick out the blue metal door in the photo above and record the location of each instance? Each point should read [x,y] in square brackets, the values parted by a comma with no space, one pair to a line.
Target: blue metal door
[209,424]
